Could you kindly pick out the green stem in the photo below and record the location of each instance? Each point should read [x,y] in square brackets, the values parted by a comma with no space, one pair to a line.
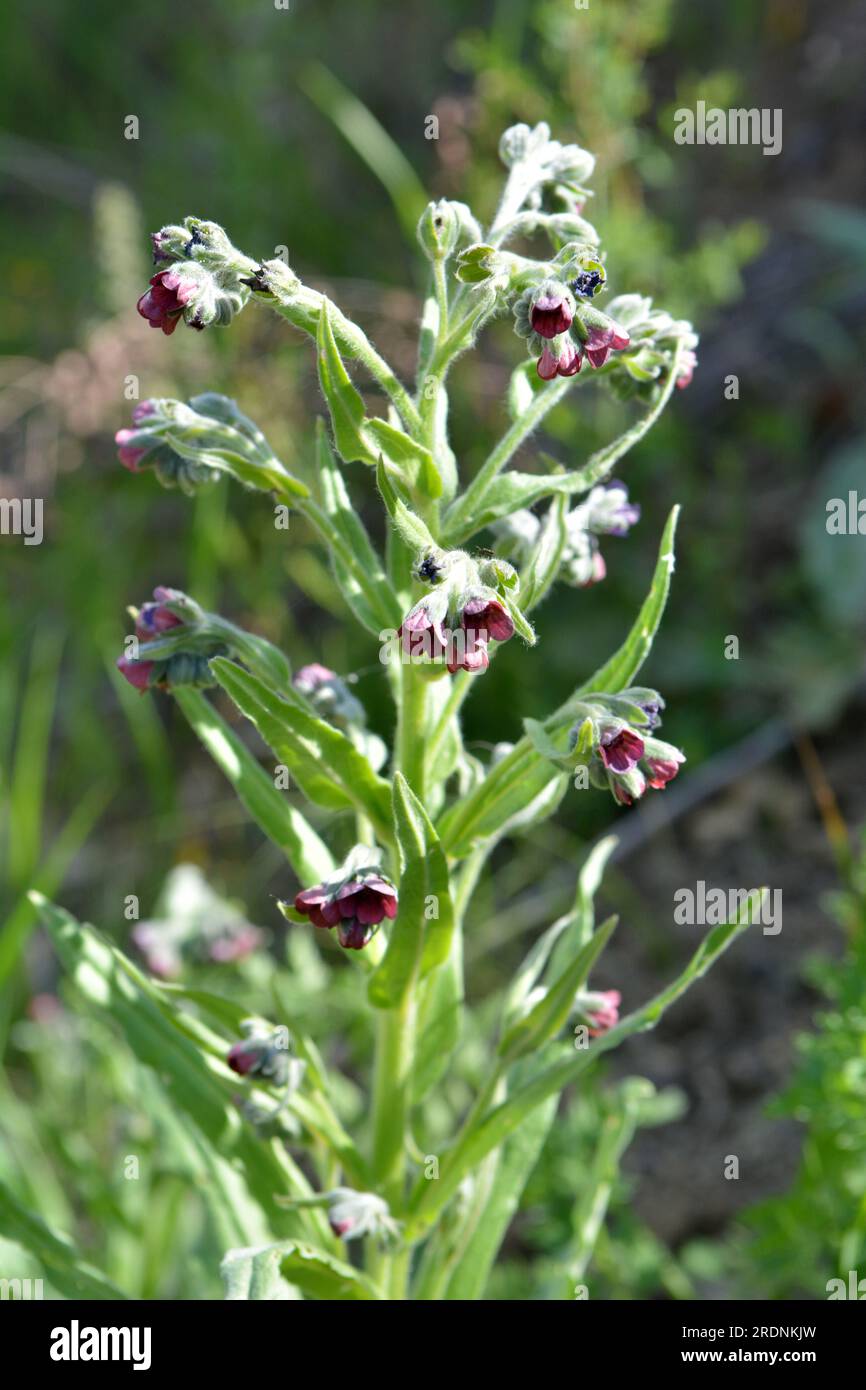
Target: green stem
[440,282]
[502,454]
[395,1030]
[460,687]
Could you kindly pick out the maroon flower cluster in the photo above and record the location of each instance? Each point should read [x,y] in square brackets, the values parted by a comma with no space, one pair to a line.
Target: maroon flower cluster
[153,619]
[480,620]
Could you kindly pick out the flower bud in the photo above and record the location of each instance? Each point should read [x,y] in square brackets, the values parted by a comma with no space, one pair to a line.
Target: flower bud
[661,762]
[175,439]
[478,263]
[263,1052]
[274,279]
[438,229]
[329,696]
[559,358]
[455,621]
[177,641]
[601,1009]
[170,244]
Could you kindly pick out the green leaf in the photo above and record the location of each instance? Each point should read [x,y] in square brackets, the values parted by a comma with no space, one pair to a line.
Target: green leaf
[242,1172]
[258,1274]
[567,934]
[491,496]
[515,1164]
[264,476]
[493,1129]
[511,492]
[563,759]
[551,1012]
[322,1275]
[522,626]
[409,526]
[440,1017]
[254,1274]
[284,826]
[416,944]
[69,1274]
[357,567]
[327,765]
[344,403]
[413,461]
[539,574]
[619,672]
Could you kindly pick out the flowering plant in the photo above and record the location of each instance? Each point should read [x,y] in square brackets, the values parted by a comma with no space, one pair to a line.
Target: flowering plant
[412,826]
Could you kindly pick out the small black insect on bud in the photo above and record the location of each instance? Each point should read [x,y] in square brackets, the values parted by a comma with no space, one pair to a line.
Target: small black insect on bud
[430,570]
[586,283]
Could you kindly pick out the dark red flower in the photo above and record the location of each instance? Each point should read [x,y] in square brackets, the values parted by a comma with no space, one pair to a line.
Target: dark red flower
[480,620]
[603,341]
[356,908]
[136,672]
[163,304]
[153,619]
[568,363]
[550,315]
[244,1057]
[422,635]
[660,771]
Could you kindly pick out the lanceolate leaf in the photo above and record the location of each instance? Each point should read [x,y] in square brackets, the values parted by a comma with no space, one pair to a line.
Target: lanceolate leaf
[515,781]
[344,402]
[619,672]
[325,762]
[357,567]
[511,492]
[551,1012]
[486,502]
[413,460]
[514,1167]
[286,827]
[440,1014]
[409,526]
[262,1273]
[254,1274]
[543,567]
[420,937]
[56,1254]
[243,1171]
[494,1128]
